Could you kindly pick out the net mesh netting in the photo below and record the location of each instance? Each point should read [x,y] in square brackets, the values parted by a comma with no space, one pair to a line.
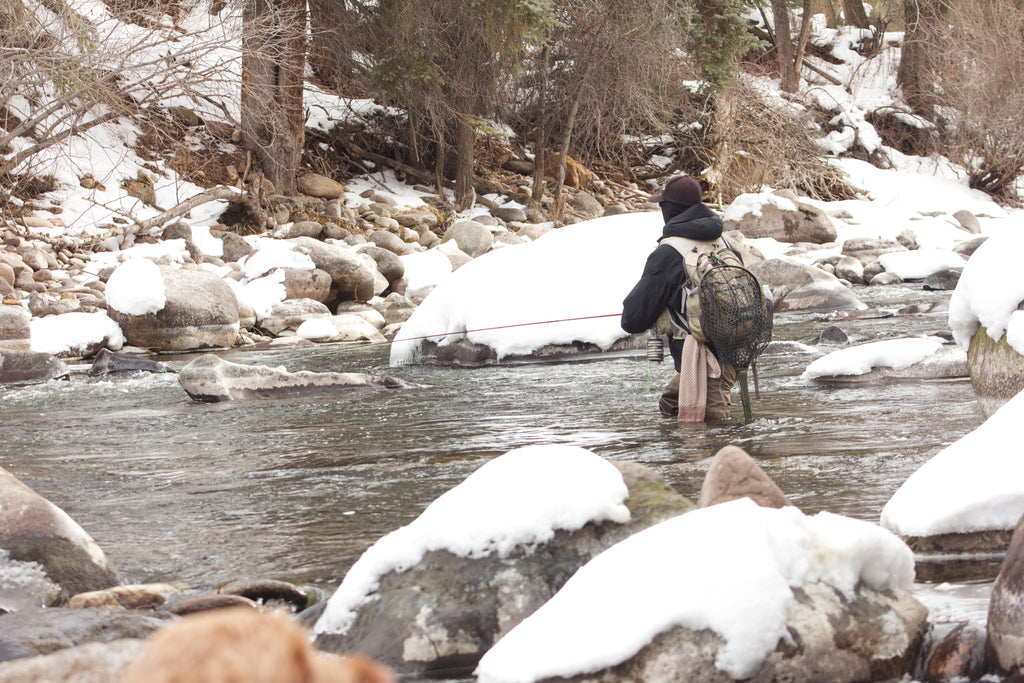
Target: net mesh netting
[734,316]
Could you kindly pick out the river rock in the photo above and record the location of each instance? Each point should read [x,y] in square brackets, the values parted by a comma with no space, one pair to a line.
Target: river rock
[289,314]
[443,613]
[396,308]
[299,229]
[316,185]
[874,636]
[88,663]
[868,249]
[41,631]
[20,366]
[350,277]
[388,262]
[391,242]
[244,646]
[32,529]
[209,378]
[734,474]
[471,237]
[850,269]
[797,287]
[1005,629]
[944,280]
[201,312]
[949,361]
[996,370]
[235,246]
[108,362]
[135,596]
[786,220]
[955,652]
[344,327]
[14,325]
[968,221]
[307,284]
[968,247]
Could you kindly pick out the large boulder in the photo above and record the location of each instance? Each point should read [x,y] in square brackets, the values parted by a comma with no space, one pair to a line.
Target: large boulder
[724,593]
[996,370]
[209,378]
[306,284]
[441,614]
[200,311]
[1006,611]
[21,366]
[797,287]
[351,279]
[786,220]
[34,530]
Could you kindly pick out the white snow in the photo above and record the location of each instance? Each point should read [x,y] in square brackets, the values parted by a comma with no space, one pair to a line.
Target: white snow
[920,263]
[751,203]
[572,280]
[74,332]
[990,290]
[136,288]
[861,359]
[974,484]
[730,568]
[518,499]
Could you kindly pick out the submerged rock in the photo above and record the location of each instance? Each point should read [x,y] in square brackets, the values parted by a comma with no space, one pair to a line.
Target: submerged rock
[210,378]
[20,367]
[108,362]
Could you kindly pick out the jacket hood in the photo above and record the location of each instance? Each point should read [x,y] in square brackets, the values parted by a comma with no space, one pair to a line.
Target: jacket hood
[696,223]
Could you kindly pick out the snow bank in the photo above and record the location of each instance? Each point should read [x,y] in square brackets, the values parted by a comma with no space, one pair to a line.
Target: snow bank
[74,332]
[920,263]
[974,484]
[859,360]
[728,567]
[568,276]
[990,289]
[518,499]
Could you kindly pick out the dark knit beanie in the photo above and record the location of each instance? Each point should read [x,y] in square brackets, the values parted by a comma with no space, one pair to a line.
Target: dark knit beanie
[680,189]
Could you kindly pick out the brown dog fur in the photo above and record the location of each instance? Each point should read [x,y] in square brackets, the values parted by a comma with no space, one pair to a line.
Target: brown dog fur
[244,645]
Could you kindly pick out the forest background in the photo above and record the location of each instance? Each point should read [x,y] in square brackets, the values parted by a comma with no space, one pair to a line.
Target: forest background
[475,94]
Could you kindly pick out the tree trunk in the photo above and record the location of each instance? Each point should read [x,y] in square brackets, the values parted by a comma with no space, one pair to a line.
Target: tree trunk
[801,42]
[273,65]
[920,17]
[564,155]
[465,195]
[540,147]
[789,78]
[853,12]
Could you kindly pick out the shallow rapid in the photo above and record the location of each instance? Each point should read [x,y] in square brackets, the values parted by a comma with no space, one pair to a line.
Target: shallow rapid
[296,489]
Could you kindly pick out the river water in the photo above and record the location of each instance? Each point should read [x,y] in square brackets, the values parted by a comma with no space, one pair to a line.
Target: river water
[296,489]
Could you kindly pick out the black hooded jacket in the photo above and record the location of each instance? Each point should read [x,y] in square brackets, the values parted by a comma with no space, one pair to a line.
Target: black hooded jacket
[660,286]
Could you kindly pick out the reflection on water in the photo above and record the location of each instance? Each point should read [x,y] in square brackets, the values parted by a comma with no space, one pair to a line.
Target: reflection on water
[297,489]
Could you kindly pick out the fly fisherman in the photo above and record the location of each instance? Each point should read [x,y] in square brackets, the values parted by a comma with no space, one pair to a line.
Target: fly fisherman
[700,390]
